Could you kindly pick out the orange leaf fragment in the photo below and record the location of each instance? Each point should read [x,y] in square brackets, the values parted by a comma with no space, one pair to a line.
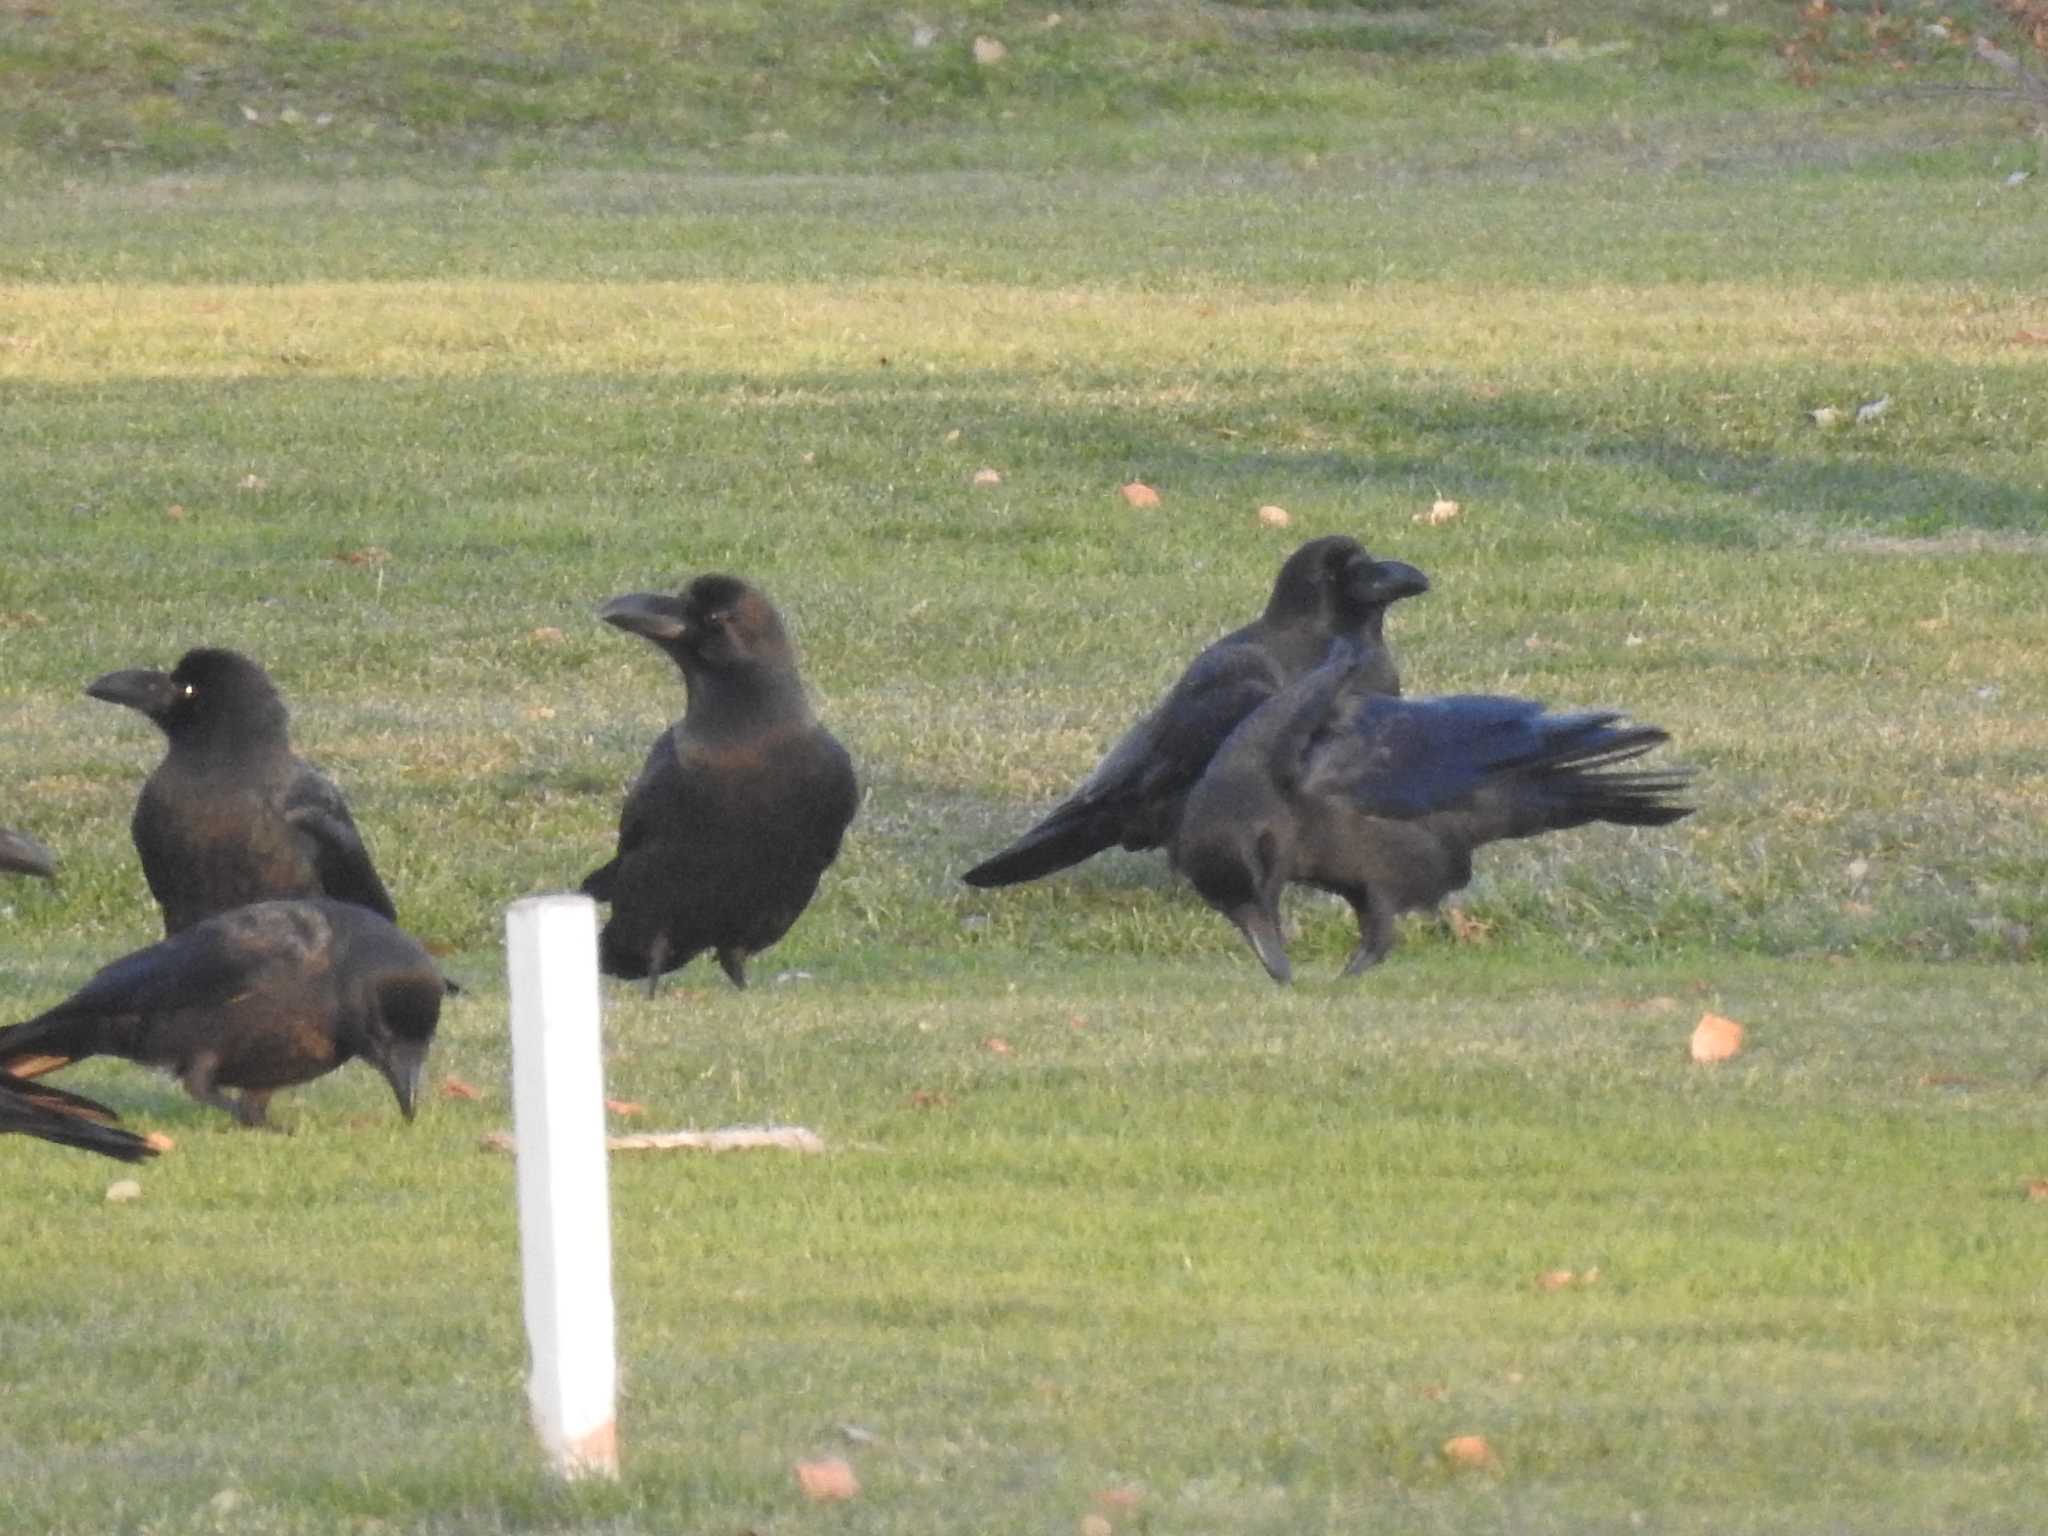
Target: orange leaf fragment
[1139,494]
[1465,928]
[1275,517]
[924,1098]
[626,1107]
[983,478]
[157,1141]
[175,512]
[1715,1038]
[456,1088]
[369,554]
[1554,1279]
[2037,1189]
[997,1044]
[1470,1451]
[827,1481]
[1093,1524]
[546,634]
[1441,511]
[1124,1499]
[2032,337]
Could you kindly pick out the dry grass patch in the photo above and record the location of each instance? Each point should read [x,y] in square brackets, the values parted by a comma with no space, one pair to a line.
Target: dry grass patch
[74,332]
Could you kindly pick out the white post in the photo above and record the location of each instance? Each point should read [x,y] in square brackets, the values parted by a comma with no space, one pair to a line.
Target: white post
[564,1206]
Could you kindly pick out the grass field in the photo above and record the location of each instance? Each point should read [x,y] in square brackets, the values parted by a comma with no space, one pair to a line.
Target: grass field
[1115,1236]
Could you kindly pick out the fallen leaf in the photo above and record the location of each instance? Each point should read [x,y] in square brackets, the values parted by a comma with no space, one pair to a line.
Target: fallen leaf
[1275,517]
[987,477]
[2031,338]
[989,50]
[1470,1451]
[253,483]
[953,436]
[997,1044]
[827,1481]
[541,712]
[2037,1189]
[1433,1392]
[547,634]
[369,554]
[1826,415]
[924,1098]
[1715,1038]
[1465,928]
[1139,494]
[157,1141]
[123,1190]
[456,1088]
[175,512]
[1121,1499]
[807,458]
[1554,1279]
[1096,1525]
[1441,511]
[1077,1021]
[627,1107]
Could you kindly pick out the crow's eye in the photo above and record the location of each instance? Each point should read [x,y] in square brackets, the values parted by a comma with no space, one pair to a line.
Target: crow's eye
[187,690]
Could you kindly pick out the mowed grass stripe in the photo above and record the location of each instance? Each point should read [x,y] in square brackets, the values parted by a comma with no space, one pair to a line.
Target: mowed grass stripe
[80,332]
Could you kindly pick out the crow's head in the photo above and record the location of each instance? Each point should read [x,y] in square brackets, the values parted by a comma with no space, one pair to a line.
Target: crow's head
[391,1022]
[717,622]
[1236,867]
[1335,581]
[212,697]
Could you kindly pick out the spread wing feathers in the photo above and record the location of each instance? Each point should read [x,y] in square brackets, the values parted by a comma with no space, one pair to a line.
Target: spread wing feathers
[314,807]
[1499,766]
[1134,795]
[202,967]
[69,1119]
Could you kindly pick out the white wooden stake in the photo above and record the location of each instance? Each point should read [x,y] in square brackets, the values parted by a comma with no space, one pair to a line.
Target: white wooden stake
[565,1240]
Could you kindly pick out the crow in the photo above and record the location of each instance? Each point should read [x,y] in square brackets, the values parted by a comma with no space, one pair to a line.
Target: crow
[1329,590]
[259,998]
[21,854]
[69,1119]
[741,804]
[1382,800]
[232,815]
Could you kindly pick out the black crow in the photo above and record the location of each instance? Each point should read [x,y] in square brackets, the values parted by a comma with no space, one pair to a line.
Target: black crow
[741,804]
[260,998]
[69,1119]
[1329,590]
[1382,800]
[232,815]
[21,854]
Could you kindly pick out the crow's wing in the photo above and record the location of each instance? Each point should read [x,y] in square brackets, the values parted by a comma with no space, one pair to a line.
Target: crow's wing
[315,808]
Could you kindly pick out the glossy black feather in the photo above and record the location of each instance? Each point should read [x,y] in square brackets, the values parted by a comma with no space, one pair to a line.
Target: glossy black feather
[741,804]
[1384,800]
[1330,591]
[68,1119]
[21,854]
[232,815]
[261,998]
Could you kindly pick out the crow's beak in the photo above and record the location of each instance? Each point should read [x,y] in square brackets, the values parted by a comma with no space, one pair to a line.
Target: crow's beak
[140,688]
[21,854]
[655,615]
[404,1065]
[1393,580]
[1262,930]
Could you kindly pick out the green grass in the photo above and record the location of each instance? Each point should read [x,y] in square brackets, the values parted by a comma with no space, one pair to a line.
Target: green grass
[516,333]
